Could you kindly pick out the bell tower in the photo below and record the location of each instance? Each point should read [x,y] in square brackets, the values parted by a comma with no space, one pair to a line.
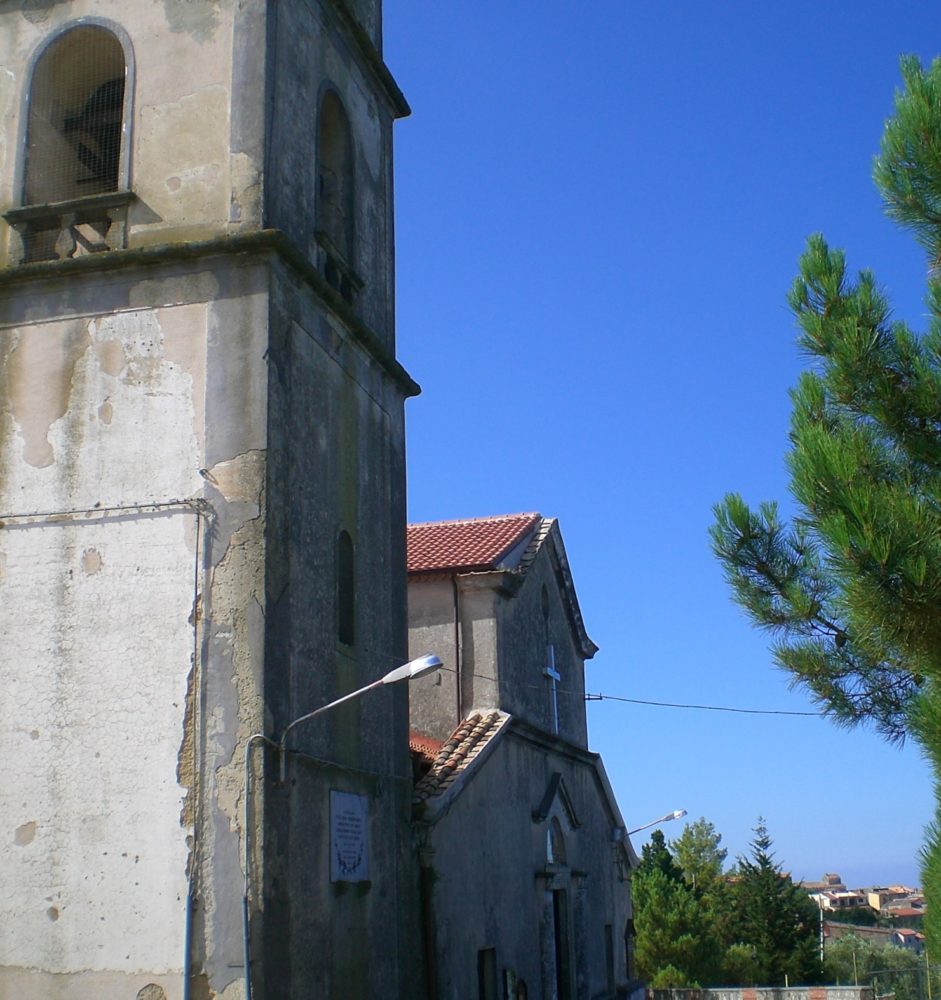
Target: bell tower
[202,504]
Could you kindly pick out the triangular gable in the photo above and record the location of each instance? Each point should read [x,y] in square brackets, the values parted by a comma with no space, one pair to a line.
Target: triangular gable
[549,537]
[556,792]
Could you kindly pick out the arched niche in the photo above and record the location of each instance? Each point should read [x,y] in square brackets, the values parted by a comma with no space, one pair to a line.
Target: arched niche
[335,181]
[76,122]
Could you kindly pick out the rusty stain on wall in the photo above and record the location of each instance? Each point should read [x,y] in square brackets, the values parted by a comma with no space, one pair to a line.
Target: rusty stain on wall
[24,834]
[240,479]
[91,561]
[151,992]
[186,760]
[40,367]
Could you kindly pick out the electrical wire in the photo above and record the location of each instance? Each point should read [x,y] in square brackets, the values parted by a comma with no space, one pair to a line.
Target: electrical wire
[657,704]
[702,708]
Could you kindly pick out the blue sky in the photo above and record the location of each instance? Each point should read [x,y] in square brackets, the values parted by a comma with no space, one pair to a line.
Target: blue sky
[600,208]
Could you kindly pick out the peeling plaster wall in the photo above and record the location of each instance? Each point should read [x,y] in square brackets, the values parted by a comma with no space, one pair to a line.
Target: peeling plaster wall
[196,135]
[225,380]
[157,396]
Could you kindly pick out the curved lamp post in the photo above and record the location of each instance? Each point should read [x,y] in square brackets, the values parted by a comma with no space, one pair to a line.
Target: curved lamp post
[407,672]
[676,814]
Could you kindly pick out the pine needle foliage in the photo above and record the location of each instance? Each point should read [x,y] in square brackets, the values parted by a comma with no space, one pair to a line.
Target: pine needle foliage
[775,917]
[698,926]
[851,590]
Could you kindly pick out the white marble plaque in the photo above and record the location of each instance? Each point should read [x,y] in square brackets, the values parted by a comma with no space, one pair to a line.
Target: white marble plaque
[349,840]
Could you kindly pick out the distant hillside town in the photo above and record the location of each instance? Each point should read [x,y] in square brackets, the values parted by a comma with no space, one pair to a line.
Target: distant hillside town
[880,914]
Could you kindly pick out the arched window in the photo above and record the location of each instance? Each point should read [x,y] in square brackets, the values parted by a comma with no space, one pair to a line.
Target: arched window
[335,196]
[346,590]
[75,124]
[555,843]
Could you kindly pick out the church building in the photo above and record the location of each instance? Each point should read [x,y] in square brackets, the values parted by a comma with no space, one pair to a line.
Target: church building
[202,504]
[525,858]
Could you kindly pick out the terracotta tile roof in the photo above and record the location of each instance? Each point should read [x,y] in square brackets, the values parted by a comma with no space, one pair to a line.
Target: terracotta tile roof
[477,543]
[424,745]
[458,753]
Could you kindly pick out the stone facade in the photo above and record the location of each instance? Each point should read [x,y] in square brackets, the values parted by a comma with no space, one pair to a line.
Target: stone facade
[198,399]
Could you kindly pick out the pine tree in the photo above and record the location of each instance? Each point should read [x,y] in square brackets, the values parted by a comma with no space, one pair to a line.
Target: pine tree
[775,918]
[852,589]
[674,946]
[656,855]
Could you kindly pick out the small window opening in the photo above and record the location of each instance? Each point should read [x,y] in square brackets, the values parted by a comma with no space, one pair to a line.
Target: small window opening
[335,195]
[346,590]
[555,843]
[75,124]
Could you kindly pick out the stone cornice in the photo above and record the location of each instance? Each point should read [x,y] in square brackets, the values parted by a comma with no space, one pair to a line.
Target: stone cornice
[372,58]
[272,241]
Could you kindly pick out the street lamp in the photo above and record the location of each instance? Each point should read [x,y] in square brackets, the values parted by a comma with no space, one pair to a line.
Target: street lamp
[407,672]
[676,814]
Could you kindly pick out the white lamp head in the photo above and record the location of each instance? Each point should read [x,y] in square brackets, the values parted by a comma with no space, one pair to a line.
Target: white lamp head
[414,668]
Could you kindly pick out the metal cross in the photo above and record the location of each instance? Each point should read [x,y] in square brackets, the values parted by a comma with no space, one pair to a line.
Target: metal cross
[554,678]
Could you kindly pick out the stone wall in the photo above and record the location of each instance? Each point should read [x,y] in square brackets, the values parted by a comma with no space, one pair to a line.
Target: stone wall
[767,993]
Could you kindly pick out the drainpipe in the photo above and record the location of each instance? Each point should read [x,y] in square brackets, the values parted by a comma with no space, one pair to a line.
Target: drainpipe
[458,681]
[188,941]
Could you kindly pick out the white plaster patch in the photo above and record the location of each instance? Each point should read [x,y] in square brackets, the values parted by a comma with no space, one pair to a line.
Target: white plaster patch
[94,868]
[126,420]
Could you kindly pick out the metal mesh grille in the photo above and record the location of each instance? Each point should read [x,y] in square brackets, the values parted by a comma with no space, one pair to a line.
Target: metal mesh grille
[76,107]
